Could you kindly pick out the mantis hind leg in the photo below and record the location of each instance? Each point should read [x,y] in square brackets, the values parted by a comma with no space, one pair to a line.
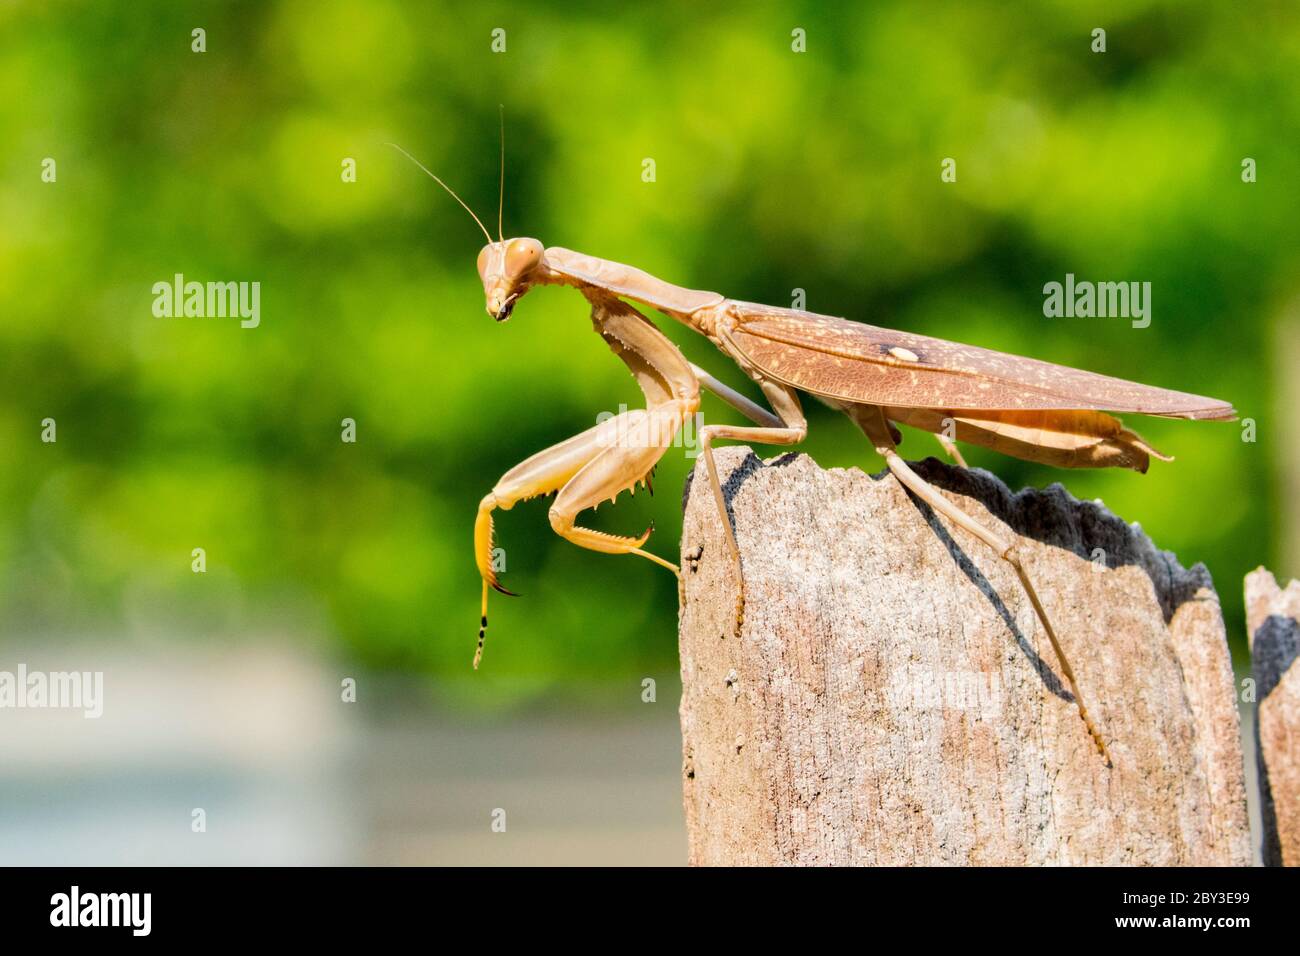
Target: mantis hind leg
[950,447]
[872,421]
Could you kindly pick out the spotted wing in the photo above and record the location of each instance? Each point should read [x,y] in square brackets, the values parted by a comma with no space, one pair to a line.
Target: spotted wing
[855,362]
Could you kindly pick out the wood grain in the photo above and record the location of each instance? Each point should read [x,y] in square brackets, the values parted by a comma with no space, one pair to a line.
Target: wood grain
[1273,624]
[891,700]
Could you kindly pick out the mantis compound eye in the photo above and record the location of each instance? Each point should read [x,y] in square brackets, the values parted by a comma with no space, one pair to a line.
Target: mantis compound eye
[522,256]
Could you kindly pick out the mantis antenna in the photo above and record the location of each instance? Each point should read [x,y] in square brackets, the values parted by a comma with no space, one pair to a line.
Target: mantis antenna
[448,188]
[501,196]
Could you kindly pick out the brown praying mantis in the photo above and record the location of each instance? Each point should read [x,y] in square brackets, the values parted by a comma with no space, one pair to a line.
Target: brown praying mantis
[1022,407]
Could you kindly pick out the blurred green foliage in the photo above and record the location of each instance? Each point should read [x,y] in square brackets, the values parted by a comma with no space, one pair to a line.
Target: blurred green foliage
[775,170]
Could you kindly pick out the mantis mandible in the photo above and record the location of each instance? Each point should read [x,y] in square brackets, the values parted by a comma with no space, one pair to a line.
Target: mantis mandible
[1022,407]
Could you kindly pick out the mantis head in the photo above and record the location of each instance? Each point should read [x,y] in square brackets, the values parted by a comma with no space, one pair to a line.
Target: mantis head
[507,266]
[507,269]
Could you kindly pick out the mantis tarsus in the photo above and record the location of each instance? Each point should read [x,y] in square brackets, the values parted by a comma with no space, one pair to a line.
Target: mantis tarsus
[878,377]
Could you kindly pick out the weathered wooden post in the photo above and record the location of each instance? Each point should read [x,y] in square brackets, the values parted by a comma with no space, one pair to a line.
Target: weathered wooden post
[1273,624]
[892,701]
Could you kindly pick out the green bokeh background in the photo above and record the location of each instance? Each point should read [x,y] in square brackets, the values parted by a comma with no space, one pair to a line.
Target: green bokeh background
[775,170]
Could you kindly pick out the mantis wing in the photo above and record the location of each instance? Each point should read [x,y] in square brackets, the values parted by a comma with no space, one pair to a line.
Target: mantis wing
[854,362]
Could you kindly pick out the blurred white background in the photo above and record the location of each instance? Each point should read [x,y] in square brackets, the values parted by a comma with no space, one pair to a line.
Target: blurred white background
[287,773]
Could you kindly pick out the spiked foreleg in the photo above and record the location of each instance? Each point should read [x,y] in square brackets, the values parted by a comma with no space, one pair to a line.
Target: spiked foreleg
[544,473]
[611,457]
[639,446]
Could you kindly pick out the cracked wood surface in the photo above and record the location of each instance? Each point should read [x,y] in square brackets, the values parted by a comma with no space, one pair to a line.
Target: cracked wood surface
[1273,626]
[891,699]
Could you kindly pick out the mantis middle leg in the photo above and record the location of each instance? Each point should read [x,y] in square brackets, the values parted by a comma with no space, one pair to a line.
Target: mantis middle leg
[794,429]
